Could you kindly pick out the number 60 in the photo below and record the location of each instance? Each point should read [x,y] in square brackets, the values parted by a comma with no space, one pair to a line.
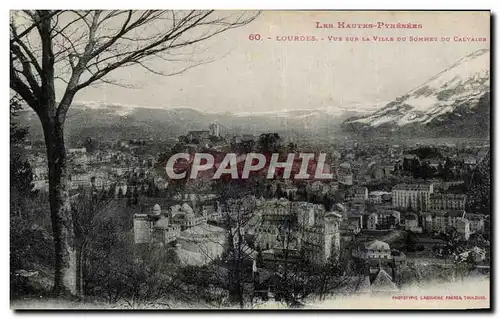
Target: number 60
[252,37]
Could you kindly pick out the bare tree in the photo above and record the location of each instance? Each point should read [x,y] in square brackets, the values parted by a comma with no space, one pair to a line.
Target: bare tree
[80,48]
[240,213]
[87,211]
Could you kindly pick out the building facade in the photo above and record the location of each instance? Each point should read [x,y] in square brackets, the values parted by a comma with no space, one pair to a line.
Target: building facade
[476,222]
[444,201]
[357,193]
[439,221]
[374,249]
[415,196]
[298,226]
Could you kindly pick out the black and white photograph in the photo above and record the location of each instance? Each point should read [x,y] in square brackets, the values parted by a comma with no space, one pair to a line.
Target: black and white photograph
[250,160]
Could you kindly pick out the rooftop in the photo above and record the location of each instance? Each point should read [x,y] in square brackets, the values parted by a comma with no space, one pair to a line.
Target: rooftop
[383,283]
[447,195]
[412,187]
[377,245]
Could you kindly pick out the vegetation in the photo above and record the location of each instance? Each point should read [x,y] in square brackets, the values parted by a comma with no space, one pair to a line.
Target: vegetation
[80,49]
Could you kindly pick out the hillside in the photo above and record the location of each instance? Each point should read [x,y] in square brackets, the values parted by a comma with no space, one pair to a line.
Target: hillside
[454,101]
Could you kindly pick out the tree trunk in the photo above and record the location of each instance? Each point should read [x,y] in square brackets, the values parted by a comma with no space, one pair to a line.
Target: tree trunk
[79,266]
[84,271]
[60,208]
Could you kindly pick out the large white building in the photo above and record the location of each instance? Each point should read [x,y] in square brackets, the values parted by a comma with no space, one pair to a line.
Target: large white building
[198,243]
[374,249]
[214,129]
[443,201]
[439,221]
[322,240]
[300,226]
[415,196]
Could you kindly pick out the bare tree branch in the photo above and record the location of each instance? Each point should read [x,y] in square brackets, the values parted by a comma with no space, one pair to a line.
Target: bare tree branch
[19,37]
[81,48]
[99,42]
[24,46]
[26,68]
[21,88]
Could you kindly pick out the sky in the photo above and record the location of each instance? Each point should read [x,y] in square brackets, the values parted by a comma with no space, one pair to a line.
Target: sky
[269,75]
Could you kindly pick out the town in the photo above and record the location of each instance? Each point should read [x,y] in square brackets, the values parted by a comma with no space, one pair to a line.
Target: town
[205,159]
[389,213]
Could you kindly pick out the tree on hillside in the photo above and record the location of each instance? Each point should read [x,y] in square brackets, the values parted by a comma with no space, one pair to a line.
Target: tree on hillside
[21,174]
[415,168]
[240,213]
[410,241]
[479,190]
[448,169]
[269,143]
[90,145]
[453,242]
[81,48]
[87,210]
[279,192]
[30,244]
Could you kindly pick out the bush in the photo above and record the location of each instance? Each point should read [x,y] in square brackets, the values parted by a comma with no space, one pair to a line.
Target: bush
[31,249]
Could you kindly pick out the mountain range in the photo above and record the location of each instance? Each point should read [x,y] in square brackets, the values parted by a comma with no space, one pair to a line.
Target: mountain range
[114,121]
[456,101]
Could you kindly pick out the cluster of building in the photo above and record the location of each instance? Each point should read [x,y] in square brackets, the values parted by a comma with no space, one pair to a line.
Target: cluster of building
[435,212]
[181,228]
[304,230]
[301,228]
[202,137]
[417,209]
[288,228]
[420,207]
[100,169]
